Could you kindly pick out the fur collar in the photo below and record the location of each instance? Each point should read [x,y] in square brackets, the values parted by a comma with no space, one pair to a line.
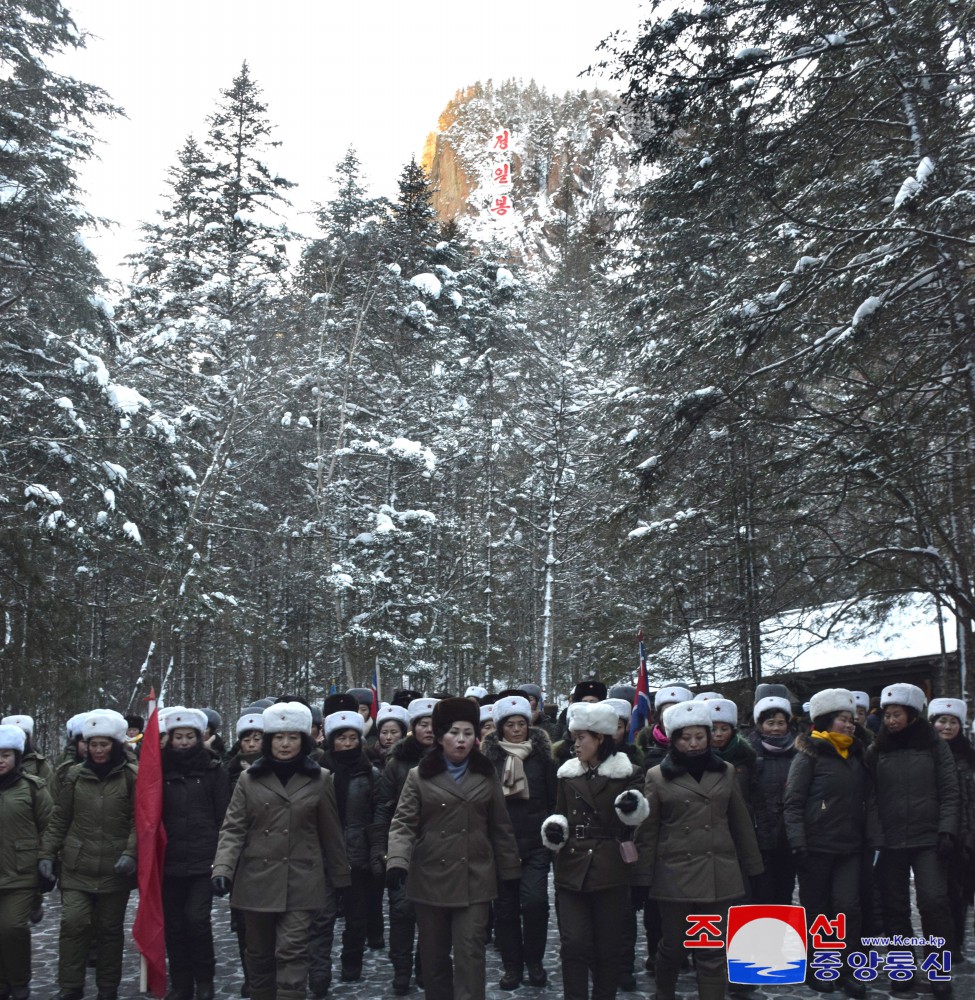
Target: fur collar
[738,751]
[812,746]
[539,739]
[962,749]
[407,750]
[615,766]
[920,735]
[261,767]
[670,769]
[361,765]
[434,764]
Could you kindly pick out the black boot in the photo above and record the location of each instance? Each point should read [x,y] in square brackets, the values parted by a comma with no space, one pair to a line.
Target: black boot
[401,982]
[537,975]
[511,979]
[204,991]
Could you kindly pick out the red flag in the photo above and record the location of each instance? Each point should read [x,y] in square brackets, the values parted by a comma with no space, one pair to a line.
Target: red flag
[148,929]
[640,715]
[374,709]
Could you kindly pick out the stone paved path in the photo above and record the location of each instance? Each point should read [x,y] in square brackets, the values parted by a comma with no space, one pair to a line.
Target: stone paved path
[377,973]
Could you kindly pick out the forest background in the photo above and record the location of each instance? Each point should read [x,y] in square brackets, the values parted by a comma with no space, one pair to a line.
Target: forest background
[720,367]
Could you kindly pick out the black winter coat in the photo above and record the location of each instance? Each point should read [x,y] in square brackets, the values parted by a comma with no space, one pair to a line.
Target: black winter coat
[653,751]
[916,788]
[404,756]
[194,802]
[528,814]
[357,807]
[740,755]
[826,798]
[767,794]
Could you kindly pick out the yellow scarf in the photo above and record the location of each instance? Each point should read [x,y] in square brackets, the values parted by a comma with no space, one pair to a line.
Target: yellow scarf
[841,742]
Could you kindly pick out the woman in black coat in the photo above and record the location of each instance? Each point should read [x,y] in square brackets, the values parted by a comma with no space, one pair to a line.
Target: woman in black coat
[948,716]
[913,819]
[522,757]
[774,743]
[356,790]
[247,750]
[195,797]
[825,818]
[404,756]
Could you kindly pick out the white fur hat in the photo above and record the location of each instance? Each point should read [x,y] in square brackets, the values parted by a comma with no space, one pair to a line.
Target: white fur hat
[344,720]
[723,710]
[180,717]
[831,700]
[592,717]
[709,696]
[393,713]
[620,706]
[104,722]
[75,725]
[861,699]
[908,695]
[774,702]
[938,706]
[420,708]
[12,738]
[287,717]
[670,694]
[249,721]
[476,691]
[512,704]
[24,722]
[487,714]
[686,713]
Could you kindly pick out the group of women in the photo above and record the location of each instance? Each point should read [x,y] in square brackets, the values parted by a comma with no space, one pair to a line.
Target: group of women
[461,827]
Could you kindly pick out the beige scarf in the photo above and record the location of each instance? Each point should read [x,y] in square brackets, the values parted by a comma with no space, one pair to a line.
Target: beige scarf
[513,780]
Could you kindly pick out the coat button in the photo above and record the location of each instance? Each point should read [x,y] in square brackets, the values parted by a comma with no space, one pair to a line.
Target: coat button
[287,831]
[590,850]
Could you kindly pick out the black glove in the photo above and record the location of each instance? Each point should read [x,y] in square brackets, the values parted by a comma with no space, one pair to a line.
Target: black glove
[45,875]
[221,885]
[377,865]
[126,865]
[639,895]
[395,878]
[946,847]
[554,833]
[800,856]
[628,803]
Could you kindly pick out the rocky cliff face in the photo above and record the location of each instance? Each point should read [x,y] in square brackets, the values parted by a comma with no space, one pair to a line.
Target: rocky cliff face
[568,154]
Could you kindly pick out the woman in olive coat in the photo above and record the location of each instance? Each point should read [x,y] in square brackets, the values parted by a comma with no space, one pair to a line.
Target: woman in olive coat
[700,841]
[195,796]
[93,831]
[25,809]
[450,843]
[599,812]
[280,833]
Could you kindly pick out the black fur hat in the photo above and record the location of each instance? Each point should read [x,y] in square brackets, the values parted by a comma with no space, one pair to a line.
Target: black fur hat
[450,710]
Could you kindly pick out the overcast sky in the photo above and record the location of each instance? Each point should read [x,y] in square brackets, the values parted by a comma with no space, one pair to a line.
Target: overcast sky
[371,73]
